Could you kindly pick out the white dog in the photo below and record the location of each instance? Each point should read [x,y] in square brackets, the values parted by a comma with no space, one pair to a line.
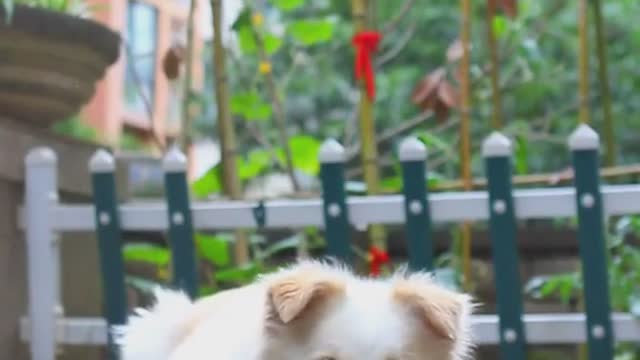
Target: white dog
[310,311]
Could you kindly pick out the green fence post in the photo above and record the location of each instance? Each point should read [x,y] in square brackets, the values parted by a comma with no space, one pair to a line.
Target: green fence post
[335,211]
[496,149]
[413,155]
[181,238]
[107,219]
[584,144]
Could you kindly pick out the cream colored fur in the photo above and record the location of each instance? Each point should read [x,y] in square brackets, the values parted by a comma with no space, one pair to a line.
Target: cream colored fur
[309,311]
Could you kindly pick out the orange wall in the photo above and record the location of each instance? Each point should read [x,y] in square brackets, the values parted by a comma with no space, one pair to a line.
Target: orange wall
[106,112]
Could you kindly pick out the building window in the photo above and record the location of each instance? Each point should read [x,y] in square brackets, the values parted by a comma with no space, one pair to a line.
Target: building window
[141,37]
[176,86]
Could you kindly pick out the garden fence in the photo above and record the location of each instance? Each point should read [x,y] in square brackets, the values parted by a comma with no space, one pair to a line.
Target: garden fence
[45,327]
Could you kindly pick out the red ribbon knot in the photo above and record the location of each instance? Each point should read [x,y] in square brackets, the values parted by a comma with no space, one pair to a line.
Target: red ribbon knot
[377,258]
[366,43]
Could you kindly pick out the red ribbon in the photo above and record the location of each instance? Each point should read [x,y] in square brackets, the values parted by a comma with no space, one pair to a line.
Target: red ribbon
[366,43]
[377,258]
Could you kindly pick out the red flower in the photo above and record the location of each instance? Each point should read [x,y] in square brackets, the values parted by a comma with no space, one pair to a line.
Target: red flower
[377,258]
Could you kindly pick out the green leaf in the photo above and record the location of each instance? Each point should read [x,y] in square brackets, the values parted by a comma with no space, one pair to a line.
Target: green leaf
[143,285]
[250,106]
[500,25]
[248,44]
[243,20]
[289,243]
[311,32]
[243,274]
[256,163]
[304,150]
[287,5]
[272,44]
[208,184]
[246,40]
[214,249]
[521,155]
[146,253]
[392,183]
[207,290]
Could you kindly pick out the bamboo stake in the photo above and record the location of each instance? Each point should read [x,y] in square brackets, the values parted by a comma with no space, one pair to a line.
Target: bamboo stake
[603,74]
[230,181]
[465,139]
[368,149]
[495,67]
[583,61]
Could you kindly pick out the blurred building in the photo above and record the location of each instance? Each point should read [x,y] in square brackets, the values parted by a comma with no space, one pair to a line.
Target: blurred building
[149,28]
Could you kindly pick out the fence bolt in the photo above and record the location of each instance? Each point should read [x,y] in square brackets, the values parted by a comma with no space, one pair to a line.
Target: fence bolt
[587,200]
[598,331]
[499,206]
[510,335]
[334,210]
[416,207]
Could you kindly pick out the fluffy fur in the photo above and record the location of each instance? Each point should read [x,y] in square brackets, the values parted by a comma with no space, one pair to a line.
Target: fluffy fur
[309,311]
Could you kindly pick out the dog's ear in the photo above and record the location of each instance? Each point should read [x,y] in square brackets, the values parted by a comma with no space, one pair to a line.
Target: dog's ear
[290,295]
[442,311]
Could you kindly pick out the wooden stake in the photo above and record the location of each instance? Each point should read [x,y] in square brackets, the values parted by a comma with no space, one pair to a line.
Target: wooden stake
[465,140]
[368,150]
[603,75]
[230,181]
[583,61]
[497,121]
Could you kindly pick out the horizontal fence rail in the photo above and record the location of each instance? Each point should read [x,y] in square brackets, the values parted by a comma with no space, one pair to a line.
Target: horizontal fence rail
[541,329]
[335,212]
[385,209]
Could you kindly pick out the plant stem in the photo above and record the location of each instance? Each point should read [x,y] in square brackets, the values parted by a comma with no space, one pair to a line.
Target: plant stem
[230,180]
[278,109]
[465,140]
[583,61]
[603,74]
[368,150]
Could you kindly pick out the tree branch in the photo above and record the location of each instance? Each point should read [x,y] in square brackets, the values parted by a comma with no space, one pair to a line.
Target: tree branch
[145,100]
[393,23]
[399,46]
[392,133]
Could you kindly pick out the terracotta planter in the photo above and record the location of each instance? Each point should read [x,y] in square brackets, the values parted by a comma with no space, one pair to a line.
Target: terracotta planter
[50,63]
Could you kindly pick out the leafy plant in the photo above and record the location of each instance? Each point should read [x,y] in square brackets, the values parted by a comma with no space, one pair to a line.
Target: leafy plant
[72,7]
[213,254]
[624,277]
[75,128]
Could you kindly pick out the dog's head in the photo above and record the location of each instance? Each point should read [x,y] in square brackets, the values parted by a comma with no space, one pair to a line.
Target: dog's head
[320,312]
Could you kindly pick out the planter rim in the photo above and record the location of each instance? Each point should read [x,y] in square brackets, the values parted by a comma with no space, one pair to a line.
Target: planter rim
[57,26]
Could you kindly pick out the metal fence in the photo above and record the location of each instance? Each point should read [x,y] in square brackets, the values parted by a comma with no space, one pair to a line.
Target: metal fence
[500,205]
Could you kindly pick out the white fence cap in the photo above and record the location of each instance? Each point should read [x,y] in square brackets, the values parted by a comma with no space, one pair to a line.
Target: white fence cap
[331,152]
[412,149]
[496,145]
[584,138]
[174,160]
[102,162]
[41,156]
